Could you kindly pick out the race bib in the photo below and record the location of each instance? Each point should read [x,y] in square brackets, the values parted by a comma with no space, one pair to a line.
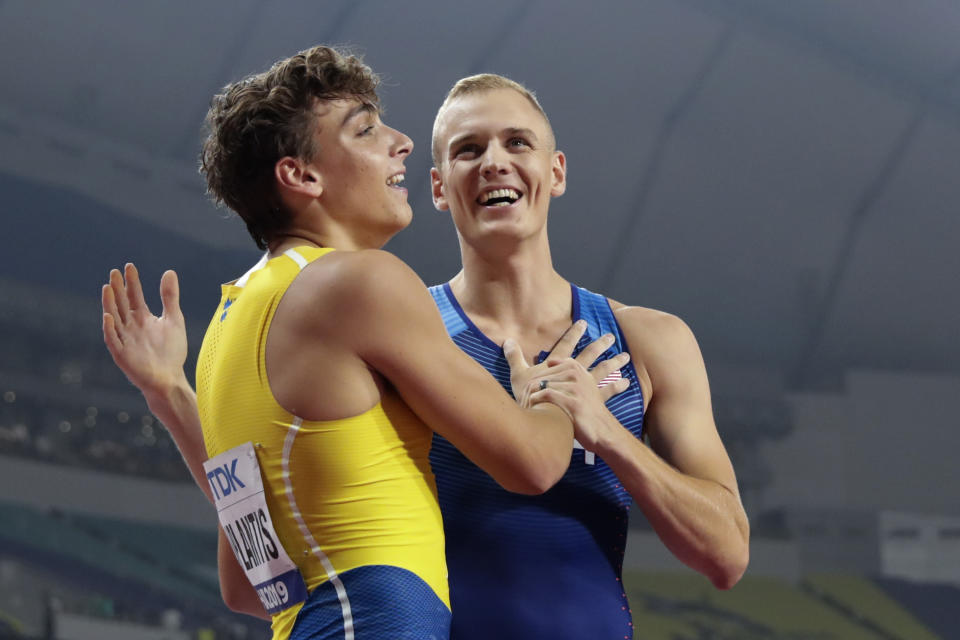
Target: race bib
[237,486]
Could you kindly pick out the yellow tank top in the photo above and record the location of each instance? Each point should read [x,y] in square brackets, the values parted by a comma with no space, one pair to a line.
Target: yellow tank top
[360,488]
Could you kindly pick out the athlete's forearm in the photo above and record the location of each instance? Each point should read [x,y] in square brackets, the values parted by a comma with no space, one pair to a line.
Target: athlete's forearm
[701,521]
[235,589]
[176,407]
[542,455]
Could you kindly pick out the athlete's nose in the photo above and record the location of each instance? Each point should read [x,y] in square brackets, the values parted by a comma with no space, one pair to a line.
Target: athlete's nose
[494,160]
[403,144]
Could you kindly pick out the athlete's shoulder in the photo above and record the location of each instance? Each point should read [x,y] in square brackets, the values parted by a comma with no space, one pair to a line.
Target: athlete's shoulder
[645,316]
[661,344]
[641,326]
[357,266]
[368,276]
[357,295]
[632,315]
[647,328]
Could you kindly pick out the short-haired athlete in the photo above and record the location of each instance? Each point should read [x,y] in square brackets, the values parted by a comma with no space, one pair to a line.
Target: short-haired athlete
[550,565]
[324,369]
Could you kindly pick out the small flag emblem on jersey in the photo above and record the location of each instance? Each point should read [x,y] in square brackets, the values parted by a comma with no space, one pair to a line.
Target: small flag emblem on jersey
[612,377]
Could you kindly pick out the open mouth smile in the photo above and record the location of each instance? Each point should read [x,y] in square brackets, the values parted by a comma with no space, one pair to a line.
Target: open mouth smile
[499,197]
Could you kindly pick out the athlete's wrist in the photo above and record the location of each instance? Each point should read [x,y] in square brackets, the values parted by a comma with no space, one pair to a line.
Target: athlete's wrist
[165,397]
[610,435]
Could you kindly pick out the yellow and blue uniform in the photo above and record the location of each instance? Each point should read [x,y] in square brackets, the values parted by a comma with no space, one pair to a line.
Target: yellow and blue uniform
[353,500]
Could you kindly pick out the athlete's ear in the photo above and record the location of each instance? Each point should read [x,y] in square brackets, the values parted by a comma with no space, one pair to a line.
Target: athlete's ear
[439,195]
[293,174]
[559,170]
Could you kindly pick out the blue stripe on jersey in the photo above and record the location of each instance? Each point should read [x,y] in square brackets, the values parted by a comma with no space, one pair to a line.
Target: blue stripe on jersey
[450,312]
[544,566]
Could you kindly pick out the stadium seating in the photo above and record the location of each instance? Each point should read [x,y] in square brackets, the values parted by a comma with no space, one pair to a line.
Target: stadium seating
[685,606]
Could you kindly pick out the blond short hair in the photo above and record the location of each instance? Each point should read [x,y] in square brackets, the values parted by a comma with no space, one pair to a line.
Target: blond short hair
[483,83]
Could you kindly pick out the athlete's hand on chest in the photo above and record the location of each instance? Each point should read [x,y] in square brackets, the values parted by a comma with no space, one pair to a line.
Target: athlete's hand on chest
[570,383]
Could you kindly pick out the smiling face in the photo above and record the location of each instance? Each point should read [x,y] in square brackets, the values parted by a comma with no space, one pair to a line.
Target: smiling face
[359,170]
[497,166]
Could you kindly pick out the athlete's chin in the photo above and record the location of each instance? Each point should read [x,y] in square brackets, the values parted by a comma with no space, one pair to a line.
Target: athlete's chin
[404,219]
[400,221]
[505,230]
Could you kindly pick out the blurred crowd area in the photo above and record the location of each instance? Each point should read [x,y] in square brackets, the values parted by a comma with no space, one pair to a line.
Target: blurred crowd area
[63,400]
[41,597]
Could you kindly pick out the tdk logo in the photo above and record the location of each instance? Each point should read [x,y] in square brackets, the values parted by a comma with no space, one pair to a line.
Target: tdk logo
[224,481]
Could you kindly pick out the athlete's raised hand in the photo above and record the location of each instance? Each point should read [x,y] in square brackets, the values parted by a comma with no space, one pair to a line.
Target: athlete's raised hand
[151,351]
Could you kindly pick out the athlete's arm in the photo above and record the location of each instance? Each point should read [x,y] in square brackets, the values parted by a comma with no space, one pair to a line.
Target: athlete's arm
[235,588]
[684,483]
[151,352]
[387,317]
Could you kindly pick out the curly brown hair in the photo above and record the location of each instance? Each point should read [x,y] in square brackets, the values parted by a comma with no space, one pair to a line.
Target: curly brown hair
[257,121]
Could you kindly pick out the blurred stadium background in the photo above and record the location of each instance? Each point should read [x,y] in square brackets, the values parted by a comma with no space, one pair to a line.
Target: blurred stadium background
[781,175]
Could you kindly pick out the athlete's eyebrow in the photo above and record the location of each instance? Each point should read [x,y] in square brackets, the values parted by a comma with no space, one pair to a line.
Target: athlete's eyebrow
[363,107]
[511,132]
[460,139]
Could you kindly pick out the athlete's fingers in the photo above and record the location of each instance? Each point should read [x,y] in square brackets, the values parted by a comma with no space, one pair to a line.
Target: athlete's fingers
[535,385]
[135,298]
[550,375]
[608,366]
[563,369]
[555,396]
[119,295]
[514,355]
[593,350]
[611,389]
[170,295]
[111,320]
[108,301]
[110,336]
[565,346]
[560,377]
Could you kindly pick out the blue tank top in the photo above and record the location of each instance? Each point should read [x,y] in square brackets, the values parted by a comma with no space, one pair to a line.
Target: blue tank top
[532,567]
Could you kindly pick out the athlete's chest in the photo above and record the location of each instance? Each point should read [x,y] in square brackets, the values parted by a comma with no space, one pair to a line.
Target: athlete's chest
[627,407]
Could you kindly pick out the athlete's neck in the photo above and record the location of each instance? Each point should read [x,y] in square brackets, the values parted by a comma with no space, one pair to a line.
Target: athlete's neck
[513,293]
[291,241]
[332,238]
